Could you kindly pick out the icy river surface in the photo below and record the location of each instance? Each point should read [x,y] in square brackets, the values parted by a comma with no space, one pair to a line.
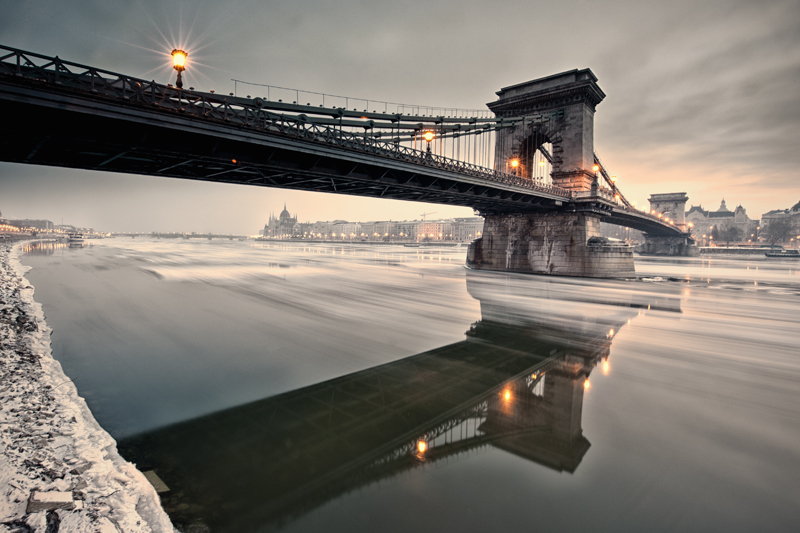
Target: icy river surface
[322,387]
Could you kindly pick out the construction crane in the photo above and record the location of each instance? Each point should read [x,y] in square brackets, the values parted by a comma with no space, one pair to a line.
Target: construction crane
[424,214]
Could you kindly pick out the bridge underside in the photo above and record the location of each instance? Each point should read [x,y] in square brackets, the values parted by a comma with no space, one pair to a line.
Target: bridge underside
[76,132]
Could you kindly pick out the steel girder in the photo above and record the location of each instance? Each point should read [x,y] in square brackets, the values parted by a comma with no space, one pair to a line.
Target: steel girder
[73,131]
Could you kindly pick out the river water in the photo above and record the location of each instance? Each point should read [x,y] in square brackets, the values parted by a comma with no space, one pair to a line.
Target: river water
[310,387]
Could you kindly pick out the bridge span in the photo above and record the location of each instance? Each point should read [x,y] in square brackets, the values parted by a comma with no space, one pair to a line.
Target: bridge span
[76,116]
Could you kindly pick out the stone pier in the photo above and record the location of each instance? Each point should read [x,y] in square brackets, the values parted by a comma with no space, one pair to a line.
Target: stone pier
[560,244]
[681,245]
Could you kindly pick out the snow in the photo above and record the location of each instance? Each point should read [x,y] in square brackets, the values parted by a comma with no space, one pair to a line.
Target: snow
[51,442]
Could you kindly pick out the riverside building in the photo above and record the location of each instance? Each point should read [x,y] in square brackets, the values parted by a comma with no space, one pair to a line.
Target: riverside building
[286,226]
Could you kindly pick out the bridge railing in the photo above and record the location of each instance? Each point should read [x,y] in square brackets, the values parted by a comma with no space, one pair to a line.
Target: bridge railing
[397,151]
[246,112]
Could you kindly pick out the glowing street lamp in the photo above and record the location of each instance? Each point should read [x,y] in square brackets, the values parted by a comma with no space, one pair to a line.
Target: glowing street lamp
[514,165]
[428,136]
[179,64]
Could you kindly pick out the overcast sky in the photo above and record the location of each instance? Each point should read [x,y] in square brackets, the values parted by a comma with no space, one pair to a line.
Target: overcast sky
[702,97]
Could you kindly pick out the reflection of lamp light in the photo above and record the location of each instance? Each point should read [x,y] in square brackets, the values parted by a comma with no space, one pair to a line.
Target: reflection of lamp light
[179,64]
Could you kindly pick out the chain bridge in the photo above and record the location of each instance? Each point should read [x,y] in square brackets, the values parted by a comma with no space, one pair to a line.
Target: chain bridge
[529,166]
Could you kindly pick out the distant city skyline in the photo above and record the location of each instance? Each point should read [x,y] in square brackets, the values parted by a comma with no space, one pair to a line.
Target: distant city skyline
[164,194]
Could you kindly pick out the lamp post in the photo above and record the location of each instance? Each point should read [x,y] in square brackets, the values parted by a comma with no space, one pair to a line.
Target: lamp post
[179,64]
[428,136]
[514,165]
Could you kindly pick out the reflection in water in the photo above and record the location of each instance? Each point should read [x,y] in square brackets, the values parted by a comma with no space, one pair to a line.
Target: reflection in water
[47,247]
[516,382]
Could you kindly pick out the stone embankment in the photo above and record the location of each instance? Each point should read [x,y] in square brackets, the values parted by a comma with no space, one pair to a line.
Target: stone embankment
[59,470]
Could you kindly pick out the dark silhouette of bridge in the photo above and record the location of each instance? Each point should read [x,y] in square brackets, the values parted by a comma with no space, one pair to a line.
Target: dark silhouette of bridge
[76,116]
[515,383]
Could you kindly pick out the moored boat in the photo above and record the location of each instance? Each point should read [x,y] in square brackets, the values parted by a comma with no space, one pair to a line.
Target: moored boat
[783,253]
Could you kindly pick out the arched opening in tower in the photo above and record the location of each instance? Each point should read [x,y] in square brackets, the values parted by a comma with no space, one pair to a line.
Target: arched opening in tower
[534,156]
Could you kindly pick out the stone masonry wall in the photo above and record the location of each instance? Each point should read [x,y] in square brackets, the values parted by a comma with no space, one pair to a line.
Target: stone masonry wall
[555,244]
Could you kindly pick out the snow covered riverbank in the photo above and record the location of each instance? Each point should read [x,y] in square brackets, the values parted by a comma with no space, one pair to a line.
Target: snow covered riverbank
[52,446]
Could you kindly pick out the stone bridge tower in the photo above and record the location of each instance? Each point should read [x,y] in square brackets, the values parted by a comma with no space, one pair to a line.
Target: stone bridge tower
[562,238]
[561,109]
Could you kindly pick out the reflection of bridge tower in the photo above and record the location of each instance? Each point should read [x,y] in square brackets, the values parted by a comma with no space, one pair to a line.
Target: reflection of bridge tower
[551,401]
[515,383]
[564,240]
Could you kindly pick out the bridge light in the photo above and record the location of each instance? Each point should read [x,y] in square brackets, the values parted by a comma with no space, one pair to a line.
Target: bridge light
[541,163]
[422,446]
[179,64]
[605,367]
[507,395]
[613,179]
[586,384]
[595,168]
[514,163]
[179,59]
[428,135]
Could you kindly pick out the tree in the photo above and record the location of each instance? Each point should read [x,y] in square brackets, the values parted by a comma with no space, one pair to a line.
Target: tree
[731,234]
[715,233]
[777,230]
